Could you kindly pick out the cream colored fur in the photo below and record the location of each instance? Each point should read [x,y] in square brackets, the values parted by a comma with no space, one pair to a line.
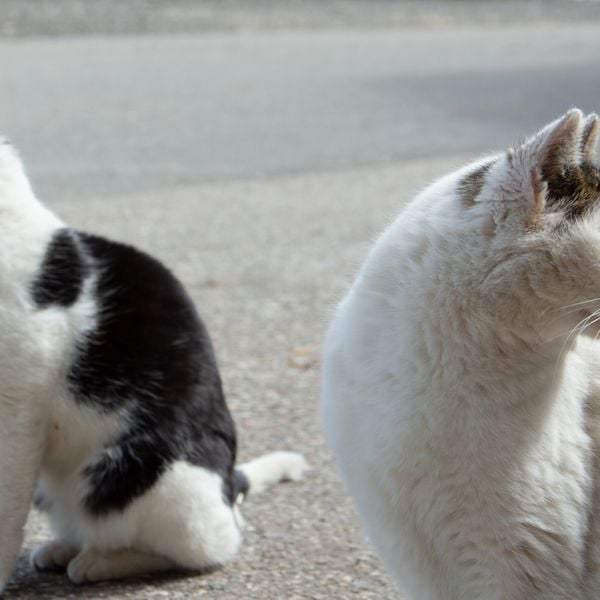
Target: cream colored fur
[461,389]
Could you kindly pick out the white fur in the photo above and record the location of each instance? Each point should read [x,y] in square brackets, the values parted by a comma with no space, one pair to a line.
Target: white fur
[183,519]
[31,353]
[46,436]
[454,399]
[272,468]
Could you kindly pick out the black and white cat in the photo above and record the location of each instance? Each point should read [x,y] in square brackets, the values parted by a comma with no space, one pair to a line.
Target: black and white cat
[111,405]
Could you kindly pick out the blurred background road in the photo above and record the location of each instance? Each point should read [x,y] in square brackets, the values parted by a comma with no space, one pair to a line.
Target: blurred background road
[257,147]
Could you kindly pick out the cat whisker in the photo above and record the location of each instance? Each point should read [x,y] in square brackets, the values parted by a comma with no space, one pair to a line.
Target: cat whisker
[580,303]
[561,315]
[595,321]
[598,332]
[581,325]
[578,329]
[573,307]
[590,324]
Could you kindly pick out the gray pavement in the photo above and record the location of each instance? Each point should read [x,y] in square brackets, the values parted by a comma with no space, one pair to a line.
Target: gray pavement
[71,17]
[259,165]
[97,116]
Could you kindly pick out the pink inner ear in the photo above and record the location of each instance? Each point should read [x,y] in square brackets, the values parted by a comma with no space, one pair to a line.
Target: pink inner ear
[562,145]
[590,137]
[539,200]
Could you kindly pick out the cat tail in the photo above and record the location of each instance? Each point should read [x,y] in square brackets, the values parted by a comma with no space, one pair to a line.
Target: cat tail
[261,473]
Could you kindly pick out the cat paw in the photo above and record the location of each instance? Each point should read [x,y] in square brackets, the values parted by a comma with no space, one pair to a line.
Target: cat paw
[52,556]
[88,566]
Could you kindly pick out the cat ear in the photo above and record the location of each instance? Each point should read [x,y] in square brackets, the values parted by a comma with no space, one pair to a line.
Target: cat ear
[591,134]
[541,159]
[559,145]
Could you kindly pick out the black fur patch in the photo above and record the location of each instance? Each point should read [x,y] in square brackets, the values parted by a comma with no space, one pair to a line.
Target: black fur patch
[241,485]
[574,191]
[62,273]
[151,355]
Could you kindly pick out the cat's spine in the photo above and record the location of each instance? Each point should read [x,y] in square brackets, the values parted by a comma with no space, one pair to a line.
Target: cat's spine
[261,473]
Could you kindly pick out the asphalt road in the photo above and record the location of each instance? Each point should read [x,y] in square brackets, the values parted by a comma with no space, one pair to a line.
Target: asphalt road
[97,116]
[259,166]
[67,17]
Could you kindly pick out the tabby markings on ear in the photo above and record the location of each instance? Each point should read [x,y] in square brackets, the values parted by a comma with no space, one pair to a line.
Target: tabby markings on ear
[574,187]
[470,187]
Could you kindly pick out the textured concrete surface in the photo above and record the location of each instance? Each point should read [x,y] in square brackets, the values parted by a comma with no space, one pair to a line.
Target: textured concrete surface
[102,116]
[265,261]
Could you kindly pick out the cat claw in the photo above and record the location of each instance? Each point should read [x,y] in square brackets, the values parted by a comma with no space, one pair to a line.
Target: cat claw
[52,556]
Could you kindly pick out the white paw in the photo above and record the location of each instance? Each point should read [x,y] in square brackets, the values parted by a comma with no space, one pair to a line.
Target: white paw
[88,565]
[52,555]
[295,466]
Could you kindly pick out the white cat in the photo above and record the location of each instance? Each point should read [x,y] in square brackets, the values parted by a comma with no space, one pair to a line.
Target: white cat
[111,404]
[461,384]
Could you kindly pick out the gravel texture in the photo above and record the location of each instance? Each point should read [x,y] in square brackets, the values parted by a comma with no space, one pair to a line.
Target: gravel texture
[265,260]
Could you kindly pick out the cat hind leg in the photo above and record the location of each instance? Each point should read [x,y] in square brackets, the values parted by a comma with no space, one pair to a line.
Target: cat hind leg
[183,522]
[93,565]
[51,556]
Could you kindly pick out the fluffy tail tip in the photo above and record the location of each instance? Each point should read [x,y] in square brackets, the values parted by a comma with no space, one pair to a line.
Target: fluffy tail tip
[270,469]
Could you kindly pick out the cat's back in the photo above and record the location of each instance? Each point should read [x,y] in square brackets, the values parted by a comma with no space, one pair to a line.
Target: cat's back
[142,379]
[148,333]
[379,377]
[382,342]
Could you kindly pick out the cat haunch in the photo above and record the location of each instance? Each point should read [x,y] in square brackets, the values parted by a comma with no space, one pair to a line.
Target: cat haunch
[111,406]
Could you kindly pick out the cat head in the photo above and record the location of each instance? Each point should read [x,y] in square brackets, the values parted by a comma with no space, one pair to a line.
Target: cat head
[536,212]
